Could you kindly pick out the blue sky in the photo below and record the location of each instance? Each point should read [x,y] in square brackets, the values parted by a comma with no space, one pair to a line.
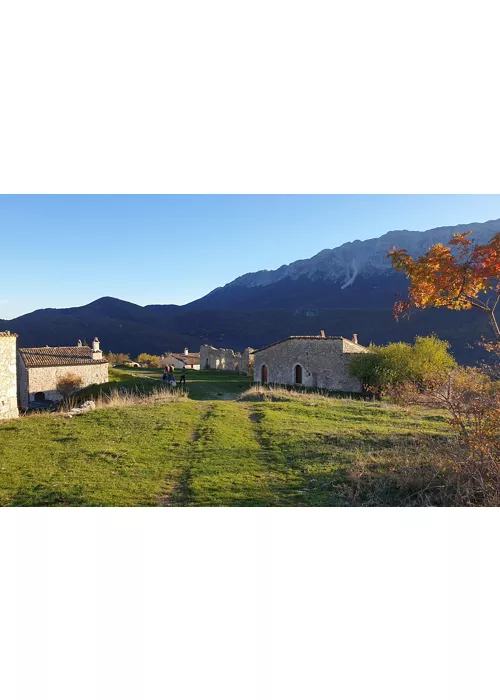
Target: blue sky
[67,250]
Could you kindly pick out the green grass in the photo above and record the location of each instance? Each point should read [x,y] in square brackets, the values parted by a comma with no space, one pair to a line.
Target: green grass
[212,450]
[201,386]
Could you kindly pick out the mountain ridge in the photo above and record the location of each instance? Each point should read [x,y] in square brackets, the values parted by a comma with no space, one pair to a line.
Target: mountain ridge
[343,290]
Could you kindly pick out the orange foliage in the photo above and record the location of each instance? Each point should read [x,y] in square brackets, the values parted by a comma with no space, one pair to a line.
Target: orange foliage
[458,279]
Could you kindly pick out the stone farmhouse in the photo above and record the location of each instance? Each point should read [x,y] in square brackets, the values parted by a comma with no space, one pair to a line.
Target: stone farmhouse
[225,359]
[8,383]
[186,360]
[39,370]
[315,361]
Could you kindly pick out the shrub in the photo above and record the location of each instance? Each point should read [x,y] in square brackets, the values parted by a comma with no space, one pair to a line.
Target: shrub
[431,359]
[471,399]
[397,363]
[69,383]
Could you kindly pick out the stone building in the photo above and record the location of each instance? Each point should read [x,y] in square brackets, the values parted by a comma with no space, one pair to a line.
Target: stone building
[226,359]
[40,369]
[316,361]
[8,383]
[185,360]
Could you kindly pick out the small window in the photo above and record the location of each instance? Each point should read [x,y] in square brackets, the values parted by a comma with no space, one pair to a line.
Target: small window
[39,396]
[263,374]
[298,374]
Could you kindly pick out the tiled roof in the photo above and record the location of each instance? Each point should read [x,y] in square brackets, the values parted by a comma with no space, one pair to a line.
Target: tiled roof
[54,357]
[307,337]
[192,359]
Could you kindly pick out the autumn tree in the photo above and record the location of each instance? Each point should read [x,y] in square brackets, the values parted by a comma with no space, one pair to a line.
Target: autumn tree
[116,359]
[459,276]
[111,358]
[145,359]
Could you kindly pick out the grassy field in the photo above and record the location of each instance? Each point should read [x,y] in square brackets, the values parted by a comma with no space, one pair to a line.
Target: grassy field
[200,386]
[213,448]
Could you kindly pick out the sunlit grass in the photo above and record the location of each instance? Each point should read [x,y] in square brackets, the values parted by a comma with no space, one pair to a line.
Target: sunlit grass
[206,450]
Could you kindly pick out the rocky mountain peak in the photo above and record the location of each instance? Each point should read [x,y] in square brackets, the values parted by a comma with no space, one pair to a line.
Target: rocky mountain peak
[348,261]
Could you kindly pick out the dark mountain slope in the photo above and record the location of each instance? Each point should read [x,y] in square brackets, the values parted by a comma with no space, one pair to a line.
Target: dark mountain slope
[174,328]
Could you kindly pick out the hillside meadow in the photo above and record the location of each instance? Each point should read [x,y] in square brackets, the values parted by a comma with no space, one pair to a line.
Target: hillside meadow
[222,444]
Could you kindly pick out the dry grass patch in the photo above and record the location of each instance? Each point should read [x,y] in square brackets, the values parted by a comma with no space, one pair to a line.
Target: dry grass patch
[277,392]
[118,398]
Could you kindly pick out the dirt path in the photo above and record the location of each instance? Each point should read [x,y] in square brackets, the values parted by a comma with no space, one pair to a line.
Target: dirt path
[177,490]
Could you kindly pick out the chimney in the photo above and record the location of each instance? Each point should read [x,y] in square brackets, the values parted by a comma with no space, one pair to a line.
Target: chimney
[79,344]
[186,351]
[96,351]
[355,338]
[322,334]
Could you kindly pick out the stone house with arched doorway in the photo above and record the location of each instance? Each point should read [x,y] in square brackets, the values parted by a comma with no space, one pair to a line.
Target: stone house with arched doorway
[40,369]
[314,361]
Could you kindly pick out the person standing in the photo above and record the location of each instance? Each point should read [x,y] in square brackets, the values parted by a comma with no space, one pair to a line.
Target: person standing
[182,379]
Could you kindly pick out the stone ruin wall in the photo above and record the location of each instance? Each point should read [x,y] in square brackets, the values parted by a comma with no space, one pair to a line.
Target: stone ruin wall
[8,376]
[227,360]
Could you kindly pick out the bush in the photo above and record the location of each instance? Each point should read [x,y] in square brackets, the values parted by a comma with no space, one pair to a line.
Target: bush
[471,399]
[69,383]
[397,363]
[431,359]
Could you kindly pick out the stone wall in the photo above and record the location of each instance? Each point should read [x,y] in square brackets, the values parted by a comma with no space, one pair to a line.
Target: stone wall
[324,363]
[8,380]
[44,379]
[226,359]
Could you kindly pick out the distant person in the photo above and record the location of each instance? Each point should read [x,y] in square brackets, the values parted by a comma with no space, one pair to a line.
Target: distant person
[182,379]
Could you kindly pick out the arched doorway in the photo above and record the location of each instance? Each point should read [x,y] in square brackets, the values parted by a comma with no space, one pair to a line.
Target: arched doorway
[263,374]
[298,374]
[39,396]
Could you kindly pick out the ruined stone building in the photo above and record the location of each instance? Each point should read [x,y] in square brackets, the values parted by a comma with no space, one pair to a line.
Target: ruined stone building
[185,360]
[225,359]
[8,372]
[40,369]
[315,361]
